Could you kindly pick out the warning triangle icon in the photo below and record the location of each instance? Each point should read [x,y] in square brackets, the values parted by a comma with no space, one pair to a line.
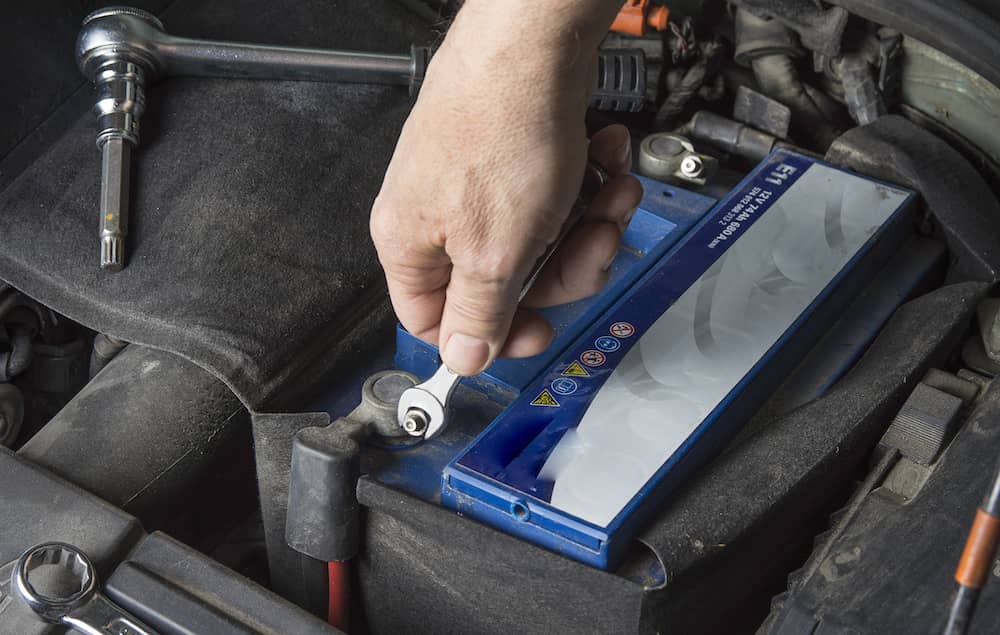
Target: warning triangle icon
[576,370]
[545,398]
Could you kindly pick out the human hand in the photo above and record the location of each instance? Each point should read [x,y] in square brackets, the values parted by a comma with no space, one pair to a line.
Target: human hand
[484,175]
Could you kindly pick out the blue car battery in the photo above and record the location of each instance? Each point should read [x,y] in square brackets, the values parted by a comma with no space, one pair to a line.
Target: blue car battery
[709,308]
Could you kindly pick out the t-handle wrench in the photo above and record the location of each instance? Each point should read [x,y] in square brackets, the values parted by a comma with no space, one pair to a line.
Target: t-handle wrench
[121,49]
[85,608]
[422,409]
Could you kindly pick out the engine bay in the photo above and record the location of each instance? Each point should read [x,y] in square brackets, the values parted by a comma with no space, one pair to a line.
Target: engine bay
[776,417]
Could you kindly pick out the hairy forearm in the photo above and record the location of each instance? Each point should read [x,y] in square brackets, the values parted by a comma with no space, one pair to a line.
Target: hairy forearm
[516,52]
[552,26]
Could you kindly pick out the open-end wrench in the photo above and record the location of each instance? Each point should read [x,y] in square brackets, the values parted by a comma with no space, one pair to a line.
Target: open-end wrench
[422,409]
[121,49]
[85,608]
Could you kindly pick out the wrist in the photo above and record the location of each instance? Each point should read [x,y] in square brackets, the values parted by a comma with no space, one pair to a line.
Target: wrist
[554,31]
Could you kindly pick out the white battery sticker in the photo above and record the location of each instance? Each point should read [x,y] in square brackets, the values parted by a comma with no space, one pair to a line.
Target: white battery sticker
[704,344]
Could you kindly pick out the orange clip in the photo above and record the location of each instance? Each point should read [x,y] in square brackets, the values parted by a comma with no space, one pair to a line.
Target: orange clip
[977,558]
[636,15]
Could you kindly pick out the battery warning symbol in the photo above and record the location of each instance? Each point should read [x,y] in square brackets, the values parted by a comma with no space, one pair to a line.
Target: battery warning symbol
[545,399]
[575,370]
[622,329]
[593,358]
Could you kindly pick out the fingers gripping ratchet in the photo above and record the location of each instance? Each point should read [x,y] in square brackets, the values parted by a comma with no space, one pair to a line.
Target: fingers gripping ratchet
[422,409]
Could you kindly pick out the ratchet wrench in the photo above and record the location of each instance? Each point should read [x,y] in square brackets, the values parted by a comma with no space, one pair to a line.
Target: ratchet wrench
[421,410]
[85,608]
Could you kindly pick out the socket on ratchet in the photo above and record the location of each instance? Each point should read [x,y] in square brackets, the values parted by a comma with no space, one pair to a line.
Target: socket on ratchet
[84,608]
[121,49]
[422,409]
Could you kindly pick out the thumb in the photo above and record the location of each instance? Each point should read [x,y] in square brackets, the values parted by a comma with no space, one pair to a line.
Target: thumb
[478,310]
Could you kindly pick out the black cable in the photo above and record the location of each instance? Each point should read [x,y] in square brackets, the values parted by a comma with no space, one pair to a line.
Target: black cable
[963,604]
[991,502]
[689,85]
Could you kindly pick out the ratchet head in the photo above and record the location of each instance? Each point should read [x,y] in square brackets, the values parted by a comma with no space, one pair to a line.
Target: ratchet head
[53,606]
[120,34]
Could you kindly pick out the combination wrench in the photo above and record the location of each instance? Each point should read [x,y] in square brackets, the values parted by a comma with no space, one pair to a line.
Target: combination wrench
[84,608]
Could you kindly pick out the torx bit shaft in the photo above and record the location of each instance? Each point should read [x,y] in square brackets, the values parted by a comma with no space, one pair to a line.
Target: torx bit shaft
[116,154]
[120,102]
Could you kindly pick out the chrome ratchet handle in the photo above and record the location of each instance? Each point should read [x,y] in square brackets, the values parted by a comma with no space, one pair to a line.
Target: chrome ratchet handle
[83,608]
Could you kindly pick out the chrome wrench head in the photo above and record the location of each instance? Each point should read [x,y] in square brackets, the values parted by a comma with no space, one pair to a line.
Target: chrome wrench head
[49,607]
[82,607]
[421,409]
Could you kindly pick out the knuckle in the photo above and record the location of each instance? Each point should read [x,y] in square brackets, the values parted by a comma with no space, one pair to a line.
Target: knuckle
[493,266]
[496,254]
[479,312]
[381,222]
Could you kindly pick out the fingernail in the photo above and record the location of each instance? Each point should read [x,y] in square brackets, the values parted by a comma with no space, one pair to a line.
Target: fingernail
[623,224]
[464,354]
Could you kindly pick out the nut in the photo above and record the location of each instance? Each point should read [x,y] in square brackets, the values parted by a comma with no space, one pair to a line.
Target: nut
[416,422]
[692,166]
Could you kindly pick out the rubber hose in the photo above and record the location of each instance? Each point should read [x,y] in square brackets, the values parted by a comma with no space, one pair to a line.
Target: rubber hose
[20,355]
[14,299]
[777,77]
[106,348]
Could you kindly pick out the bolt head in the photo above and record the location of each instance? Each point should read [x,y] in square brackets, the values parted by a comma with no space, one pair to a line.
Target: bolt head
[416,422]
[692,167]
